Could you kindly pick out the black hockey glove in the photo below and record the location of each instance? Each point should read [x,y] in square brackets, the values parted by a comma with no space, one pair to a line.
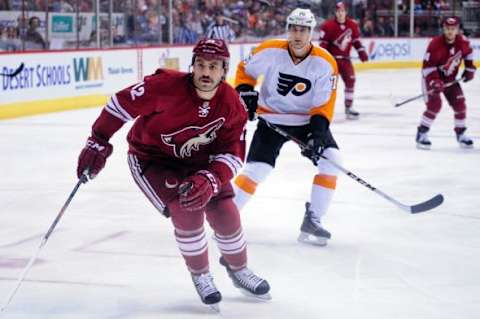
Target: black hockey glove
[250,98]
[316,139]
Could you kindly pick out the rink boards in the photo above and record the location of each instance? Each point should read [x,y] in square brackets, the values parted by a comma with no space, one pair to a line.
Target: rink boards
[62,80]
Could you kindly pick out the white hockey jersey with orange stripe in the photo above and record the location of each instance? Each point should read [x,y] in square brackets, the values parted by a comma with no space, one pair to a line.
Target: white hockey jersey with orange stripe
[290,93]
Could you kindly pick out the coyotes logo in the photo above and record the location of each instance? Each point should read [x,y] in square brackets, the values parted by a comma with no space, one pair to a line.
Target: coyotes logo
[190,138]
[344,39]
[452,64]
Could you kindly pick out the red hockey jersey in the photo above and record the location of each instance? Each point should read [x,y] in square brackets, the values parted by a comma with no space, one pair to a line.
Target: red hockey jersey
[176,127]
[442,60]
[338,38]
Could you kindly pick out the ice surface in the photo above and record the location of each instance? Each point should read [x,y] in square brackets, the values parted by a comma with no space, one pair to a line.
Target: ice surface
[113,256]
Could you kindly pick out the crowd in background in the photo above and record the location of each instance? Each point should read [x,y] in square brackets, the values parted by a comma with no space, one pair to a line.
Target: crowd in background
[146,21]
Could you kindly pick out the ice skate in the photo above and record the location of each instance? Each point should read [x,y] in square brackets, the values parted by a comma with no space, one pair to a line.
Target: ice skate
[351,113]
[464,141]
[312,231]
[249,284]
[423,142]
[207,291]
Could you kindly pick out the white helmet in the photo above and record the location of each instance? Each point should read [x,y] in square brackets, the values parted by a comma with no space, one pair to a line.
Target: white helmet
[303,17]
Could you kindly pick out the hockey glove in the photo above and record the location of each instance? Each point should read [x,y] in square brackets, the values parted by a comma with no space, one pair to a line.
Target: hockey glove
[316,139]
[468,75]
[250,98]
[363,55]
[436,85]
[93,156]
[314,150]
[197,190]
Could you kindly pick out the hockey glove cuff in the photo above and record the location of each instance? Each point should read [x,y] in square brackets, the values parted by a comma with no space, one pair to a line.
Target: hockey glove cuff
[250,98]
[197,190]
[93,156]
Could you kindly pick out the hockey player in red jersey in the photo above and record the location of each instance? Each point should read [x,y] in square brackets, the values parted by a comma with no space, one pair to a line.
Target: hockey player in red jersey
[186,144]
[337,36]
[440,67]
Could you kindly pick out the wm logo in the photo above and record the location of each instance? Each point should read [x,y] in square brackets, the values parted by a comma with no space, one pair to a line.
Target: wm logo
[88,69]
[297,85]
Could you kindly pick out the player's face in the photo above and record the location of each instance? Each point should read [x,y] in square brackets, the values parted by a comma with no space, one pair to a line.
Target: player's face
[341,15]
[299,39]
[450,32]
[207,74]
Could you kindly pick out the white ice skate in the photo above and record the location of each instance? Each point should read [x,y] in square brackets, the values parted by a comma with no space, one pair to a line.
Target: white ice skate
[249,284]
[207,291]
[464,141]
[423,142]
[351,113]
[312,231]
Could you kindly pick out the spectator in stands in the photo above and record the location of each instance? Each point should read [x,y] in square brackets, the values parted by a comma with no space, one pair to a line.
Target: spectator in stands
[33,38]
[384,27]
[220,29]
[184,35]
[12,41]
[367,28]
[4,5]
[61,6]
[151,30]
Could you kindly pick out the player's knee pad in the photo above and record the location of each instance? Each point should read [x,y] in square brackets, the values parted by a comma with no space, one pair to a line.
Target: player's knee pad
[325,167]
[434,104]
[257,171]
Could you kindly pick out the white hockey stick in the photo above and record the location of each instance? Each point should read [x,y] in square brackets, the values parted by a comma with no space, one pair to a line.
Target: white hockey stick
[413,209]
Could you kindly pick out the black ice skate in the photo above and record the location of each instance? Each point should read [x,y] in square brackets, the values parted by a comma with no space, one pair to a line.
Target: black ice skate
[312,231]
[207,291]
[249,284]
[463,140]
[423,142]
[351,114]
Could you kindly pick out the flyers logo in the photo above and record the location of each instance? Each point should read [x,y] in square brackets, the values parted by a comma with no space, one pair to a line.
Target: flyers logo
[190,138]
[297,85]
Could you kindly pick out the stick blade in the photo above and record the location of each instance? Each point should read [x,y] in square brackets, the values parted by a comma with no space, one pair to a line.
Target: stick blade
[427,205]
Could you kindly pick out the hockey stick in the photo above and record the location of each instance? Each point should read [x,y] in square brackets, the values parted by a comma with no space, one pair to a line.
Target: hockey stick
[413,209]
[83,179]
[14,73]
[421,95]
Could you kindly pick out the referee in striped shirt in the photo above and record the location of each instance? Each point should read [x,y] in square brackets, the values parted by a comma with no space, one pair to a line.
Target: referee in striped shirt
[220,30]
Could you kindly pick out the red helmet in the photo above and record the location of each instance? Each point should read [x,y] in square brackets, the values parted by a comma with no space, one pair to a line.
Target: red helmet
[340,5]
[451,21]
[211,49]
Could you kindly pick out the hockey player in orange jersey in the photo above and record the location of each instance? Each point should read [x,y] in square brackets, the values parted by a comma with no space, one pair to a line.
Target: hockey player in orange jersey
[298,95]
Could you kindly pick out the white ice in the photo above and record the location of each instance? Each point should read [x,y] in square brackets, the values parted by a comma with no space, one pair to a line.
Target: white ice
[113,256]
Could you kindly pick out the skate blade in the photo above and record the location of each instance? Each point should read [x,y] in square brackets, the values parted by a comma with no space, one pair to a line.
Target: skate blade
[312,240]
[264,297]
[423,147]
[214,307]
[352,117]
[465,147]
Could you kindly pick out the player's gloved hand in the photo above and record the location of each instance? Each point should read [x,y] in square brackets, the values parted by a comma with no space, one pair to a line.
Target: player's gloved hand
[363,56]
[93,156]
[250,98]
[436,85]
[197,190]
[314,149]
[468,75]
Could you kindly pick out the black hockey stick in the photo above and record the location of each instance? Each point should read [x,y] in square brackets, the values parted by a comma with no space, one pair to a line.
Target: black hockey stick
[423,94]
[14,73]
[83,179]
[413,209]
